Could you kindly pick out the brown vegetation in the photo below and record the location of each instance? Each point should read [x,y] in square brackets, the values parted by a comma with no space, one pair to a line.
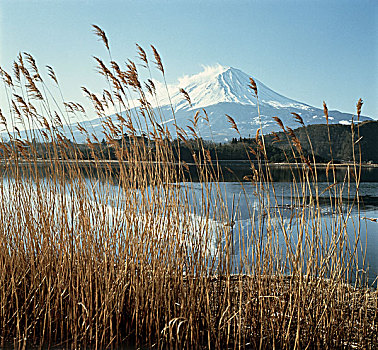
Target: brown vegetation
[100,258]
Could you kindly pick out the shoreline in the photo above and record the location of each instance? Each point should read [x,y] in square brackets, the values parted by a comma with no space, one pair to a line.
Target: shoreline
[220,162]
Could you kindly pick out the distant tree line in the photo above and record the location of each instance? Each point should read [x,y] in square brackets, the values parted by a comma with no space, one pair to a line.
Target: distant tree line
[279,146]
[340,140]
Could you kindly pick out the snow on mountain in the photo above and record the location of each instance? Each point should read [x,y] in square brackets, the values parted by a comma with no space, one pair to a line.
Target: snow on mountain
[219,84]
[224,90]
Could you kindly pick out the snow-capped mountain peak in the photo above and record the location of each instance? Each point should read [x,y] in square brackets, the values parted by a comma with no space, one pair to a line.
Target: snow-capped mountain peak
[218,84]
[222,84]
[224,90]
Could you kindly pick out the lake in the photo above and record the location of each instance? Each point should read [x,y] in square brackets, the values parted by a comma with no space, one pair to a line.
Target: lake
[244,212]
[243,195]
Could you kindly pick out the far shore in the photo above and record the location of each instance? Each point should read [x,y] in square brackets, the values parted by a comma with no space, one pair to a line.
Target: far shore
[221,162]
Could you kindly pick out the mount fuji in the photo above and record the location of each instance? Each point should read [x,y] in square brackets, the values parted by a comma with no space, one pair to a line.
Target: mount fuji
[223,90]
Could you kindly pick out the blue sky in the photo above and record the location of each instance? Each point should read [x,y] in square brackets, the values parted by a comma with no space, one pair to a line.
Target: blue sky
[306,50]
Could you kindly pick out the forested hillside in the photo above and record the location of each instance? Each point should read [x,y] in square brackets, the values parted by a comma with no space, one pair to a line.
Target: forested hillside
[366,134]
[278,148]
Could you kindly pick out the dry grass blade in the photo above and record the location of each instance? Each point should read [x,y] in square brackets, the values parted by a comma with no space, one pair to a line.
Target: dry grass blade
[328,188]
[279,122]
[208,155]
[102,69]
[186,96]
[253,86]
[132,76]
[308,163]
[196,119]
[232,122]
[276,138]
[101,35]
[2,118]
[298,118]
[370,219]
[295,139]
[325,109]
[194,133]
[142,55]
[16,71]
[206,117]
[328,167]
[181,136]
[257,136]
[150,86]
[30,59]
[251,150]
[359,106]
[52,74]
[158,61]
[6,77]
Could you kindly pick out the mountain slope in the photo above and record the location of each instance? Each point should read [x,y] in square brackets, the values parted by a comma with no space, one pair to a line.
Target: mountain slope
[220,91]
[224,90]
[341,141]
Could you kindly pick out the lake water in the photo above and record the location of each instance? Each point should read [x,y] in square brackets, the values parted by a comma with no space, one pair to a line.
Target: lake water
[242,197]
[246,213]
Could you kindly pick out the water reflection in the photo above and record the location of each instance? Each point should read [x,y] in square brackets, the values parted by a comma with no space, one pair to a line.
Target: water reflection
[237,170]
[246,211]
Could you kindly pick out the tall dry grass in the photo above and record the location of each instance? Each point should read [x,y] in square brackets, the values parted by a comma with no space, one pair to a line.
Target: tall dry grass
[124,252]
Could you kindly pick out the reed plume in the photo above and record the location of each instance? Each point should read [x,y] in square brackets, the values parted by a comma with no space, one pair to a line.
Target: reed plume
[253,86]
[101,35]
[186,96]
